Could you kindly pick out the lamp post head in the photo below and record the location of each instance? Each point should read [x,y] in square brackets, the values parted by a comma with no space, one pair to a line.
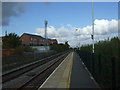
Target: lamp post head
[76,29]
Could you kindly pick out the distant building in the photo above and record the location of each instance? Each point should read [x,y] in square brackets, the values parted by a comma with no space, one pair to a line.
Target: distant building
[52,41]
[36,40]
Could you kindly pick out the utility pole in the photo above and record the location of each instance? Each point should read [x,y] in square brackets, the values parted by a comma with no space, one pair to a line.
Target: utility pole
[78,39]
[92,36]
[6,33]
[46,22]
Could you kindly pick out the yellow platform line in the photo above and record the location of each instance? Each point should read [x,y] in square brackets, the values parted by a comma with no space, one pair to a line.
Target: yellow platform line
[69,78]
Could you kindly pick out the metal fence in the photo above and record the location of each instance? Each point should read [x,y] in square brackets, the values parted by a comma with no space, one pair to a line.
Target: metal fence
[103,68]
[13,61]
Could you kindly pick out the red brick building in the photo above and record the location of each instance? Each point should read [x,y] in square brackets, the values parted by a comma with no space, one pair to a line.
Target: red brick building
[35,40]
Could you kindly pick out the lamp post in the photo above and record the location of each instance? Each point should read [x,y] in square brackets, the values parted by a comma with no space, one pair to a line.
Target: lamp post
[46,22]
[78,39]
[92,36]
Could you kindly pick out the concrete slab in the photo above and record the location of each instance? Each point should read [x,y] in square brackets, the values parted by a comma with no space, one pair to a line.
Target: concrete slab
[60,78]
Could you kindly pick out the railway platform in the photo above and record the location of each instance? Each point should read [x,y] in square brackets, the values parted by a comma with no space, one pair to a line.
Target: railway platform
[71,73]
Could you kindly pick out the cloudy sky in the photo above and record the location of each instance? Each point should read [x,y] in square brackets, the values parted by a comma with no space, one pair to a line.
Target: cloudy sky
[67,21]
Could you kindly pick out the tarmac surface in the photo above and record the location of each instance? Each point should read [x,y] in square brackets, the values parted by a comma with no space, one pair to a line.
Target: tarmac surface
[81,78]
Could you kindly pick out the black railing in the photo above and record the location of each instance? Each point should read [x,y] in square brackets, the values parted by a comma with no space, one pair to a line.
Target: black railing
[103,68]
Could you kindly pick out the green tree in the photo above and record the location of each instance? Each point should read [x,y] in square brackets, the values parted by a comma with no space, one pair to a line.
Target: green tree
[60,47]
[11,41]
[67,45]
[107,47]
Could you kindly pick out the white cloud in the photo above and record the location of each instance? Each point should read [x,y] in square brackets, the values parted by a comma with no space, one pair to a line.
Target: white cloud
[101,27]
[103,30]
[105,26]
[51,32]
[60,34]
[64,32]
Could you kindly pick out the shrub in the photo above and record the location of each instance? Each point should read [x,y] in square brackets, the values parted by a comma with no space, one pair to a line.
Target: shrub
[19,50]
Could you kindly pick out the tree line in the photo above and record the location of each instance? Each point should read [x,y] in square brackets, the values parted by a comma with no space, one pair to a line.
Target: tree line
[60,47]
[107,47]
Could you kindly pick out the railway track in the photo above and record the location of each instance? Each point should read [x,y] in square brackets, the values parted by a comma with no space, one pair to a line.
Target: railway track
[16,72]
[33,75]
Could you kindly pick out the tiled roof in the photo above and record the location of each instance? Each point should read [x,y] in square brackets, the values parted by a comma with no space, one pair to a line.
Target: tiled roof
[34,36]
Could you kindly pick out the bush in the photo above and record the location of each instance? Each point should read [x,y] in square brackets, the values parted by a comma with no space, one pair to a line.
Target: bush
[22,49]
[107,47]
[29,49]
[19,50]
[60,47]
[11,41]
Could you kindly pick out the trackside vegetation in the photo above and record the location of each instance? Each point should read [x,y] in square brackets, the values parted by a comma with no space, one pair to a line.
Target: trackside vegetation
[107,47]
[60,47]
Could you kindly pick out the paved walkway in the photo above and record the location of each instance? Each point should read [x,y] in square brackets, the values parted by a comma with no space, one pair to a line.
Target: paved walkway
[81,78]
[71,73]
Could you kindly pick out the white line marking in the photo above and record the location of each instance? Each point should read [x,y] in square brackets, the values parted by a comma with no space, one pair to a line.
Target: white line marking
[53,72]
[91,77]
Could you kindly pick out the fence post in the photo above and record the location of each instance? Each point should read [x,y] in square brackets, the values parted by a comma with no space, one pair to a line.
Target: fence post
[93,64]
[99,63]
[89,61]
[113,73]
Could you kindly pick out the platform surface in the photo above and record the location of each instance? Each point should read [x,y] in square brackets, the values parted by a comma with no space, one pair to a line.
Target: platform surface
[81,78]
[71,73]
[60,78]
